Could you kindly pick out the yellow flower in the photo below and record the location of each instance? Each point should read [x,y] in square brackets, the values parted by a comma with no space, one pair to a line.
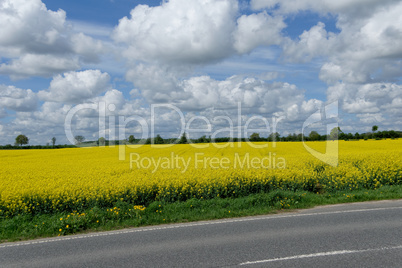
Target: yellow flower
[77,176]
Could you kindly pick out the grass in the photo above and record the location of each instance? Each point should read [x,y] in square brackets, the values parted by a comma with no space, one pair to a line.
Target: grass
[124,215]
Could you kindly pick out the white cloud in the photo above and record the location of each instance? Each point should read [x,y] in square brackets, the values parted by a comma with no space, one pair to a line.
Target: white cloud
[380,100]
[39,65]
[371,118]
[360,106]
[368,48]
[48,120]
[76,87]
[257,29]
[347,72]
[314,42]
[189,31]
[355,7]
[255,95]
[157,83]
[194,31]
[87,47]
[39,42]
[52,113]
[17,99]
[164,43]
[29,26]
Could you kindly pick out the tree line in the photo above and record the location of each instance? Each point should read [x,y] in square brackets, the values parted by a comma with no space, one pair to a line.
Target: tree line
[21,140]
[335,134]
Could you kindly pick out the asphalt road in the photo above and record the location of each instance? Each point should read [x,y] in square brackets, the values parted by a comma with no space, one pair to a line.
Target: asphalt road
[351,235]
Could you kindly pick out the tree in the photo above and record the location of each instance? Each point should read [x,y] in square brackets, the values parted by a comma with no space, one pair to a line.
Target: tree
[255,137]
[101,141]
[274,136]
[183,138]
[342,136]
[335,133]
[393,134]
[375,134]
[21,140]
[314,136]
[131,139]
[203,139]
[158,140]
[357,136]
[53,141]
[79,139]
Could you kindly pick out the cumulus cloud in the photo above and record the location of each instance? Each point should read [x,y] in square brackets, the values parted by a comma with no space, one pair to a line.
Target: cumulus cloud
[38,65]
[367,49]
[312,43]
[113,102]
[17,99]
[194,31]
[356,61]
[205,96]
[44,121]
[348,72]
[157,83]
[87,47]
[380,100]
[256,96]
[165,42]
[189,31]
[32,34]
[52,113]
[76,87]
[30,27]
[372,118]
[256,30]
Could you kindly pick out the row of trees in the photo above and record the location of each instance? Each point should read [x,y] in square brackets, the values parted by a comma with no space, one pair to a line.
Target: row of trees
[23,140]
[335,134]
[157,140]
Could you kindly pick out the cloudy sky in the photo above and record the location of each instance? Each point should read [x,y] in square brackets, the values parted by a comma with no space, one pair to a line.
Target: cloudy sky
[199,60]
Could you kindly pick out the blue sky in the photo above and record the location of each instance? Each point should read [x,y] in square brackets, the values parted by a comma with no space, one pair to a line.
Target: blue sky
[277,59]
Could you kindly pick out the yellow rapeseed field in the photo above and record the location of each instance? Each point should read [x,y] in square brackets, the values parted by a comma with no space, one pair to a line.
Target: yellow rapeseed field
[47,181]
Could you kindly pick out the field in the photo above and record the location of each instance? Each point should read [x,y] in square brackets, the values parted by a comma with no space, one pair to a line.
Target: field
[36,182]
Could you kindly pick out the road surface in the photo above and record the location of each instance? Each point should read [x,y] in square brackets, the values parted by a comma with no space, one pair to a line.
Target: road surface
[350,235]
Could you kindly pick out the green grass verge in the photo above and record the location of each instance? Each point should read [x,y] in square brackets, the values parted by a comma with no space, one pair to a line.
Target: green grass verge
[125,215]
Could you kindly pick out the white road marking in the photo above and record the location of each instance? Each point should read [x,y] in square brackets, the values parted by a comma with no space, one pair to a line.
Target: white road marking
[148,229]
[320,254]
